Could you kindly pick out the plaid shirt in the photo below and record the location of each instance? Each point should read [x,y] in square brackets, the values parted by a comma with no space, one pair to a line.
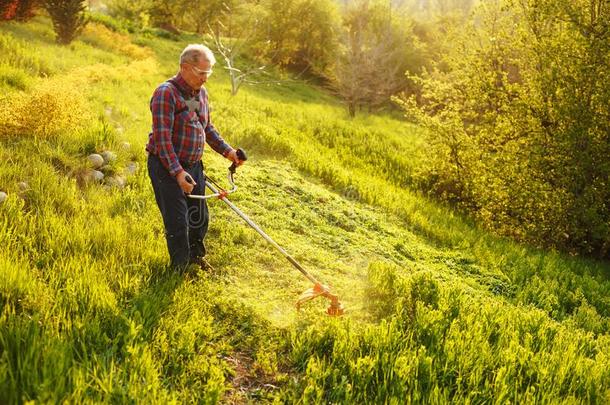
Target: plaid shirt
[179,139]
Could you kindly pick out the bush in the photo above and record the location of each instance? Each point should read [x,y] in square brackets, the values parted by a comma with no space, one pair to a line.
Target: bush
[102,37]
[135,13]
[300,34]
[8,9]
[21,10]
[68,18]
[44,114]
[518,120]
[109,22]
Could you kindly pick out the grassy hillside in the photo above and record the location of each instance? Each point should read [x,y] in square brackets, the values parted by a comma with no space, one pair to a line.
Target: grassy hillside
[437,309]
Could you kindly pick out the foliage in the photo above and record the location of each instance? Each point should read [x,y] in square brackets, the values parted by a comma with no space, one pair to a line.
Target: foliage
[300,34]
[233,50]
[109,22]
[134,14]
[378,47]
[423,352]
[516,114]
[20,10]
[17,63]
[101,37]
[165,14]
[433,9]
[68,18]
[199,15]
[8,9]
[438,310]
[43,114]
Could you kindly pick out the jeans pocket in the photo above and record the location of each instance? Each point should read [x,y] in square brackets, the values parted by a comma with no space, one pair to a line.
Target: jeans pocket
[157,169]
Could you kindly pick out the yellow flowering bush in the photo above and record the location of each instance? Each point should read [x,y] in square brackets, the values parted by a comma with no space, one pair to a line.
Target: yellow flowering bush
[102,37]
[46,112]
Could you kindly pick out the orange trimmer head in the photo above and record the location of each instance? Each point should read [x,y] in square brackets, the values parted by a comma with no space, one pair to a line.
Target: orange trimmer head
[320,290]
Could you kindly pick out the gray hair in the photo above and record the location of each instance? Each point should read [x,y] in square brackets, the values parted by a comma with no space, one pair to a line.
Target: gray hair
[194,53]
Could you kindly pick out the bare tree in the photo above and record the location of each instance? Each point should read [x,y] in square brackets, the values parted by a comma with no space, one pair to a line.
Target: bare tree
[369,68]
[231,50]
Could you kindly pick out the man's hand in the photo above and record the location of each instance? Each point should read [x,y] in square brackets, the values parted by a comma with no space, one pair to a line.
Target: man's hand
[232,156]
[183,181]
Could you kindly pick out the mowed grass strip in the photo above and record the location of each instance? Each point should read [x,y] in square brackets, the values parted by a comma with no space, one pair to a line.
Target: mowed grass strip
[438,311]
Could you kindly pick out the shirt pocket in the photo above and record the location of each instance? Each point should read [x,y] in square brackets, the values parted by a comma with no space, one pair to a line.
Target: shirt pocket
[195,132]
[181,118]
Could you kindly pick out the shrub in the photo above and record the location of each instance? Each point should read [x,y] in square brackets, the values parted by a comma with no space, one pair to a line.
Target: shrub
[109,22]
[51,110]
[68,18]
[102,37]
[8,9]
[300,34]
[26,9]
[135,13]
[21,10]
[518,118]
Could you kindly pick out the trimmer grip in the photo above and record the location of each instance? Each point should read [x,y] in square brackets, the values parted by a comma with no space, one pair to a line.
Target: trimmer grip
[241,155]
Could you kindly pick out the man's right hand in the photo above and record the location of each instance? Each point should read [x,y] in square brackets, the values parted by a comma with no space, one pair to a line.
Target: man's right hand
[184,184]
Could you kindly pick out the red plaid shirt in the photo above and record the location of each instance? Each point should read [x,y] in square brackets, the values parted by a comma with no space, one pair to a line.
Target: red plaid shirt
[180,138]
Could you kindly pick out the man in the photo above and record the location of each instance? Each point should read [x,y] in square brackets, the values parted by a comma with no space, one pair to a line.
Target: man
[180,128]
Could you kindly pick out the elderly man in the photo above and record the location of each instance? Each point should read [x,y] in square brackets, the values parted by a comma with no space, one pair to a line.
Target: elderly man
[180,128]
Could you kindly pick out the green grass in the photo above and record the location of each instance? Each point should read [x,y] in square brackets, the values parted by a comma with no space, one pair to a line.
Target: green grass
[438,310]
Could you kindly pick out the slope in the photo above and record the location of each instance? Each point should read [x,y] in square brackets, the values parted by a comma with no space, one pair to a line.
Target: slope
[437,309]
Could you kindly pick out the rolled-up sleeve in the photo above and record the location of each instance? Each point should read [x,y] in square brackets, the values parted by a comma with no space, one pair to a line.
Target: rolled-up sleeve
[162,106]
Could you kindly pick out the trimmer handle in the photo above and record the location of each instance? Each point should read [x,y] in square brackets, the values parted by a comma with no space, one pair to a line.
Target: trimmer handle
[241,155]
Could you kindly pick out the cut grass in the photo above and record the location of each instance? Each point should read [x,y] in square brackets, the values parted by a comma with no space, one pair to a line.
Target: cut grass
[438,310]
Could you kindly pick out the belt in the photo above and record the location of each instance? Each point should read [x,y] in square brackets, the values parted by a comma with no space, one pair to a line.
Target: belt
[188,165]
[185,165]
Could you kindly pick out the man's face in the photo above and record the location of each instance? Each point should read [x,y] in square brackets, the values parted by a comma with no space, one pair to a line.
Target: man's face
[196,74]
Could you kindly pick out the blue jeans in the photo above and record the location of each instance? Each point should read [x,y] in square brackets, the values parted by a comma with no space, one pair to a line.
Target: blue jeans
[185,219]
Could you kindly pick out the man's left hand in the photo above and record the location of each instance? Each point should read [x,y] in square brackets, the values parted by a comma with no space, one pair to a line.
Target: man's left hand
[232,156]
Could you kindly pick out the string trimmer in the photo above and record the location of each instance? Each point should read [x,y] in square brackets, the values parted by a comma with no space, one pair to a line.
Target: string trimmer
[318,290]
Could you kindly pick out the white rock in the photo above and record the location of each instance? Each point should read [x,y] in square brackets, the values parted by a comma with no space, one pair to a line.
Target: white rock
[96,175]
[108,156]
[95,160]
[125,145]
[3,196]
[116,181]
[23,186]
[131,169]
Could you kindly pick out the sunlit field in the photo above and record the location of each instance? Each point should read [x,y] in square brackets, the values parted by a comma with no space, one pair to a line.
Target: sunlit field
[438,310]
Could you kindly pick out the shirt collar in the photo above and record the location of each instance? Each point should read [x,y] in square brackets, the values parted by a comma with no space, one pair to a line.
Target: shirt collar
[184,85]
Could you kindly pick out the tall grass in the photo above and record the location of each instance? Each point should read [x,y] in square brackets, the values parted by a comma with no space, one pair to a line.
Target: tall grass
[438,310]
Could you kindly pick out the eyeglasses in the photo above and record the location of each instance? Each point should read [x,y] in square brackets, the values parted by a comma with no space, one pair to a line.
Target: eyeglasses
[201,72]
